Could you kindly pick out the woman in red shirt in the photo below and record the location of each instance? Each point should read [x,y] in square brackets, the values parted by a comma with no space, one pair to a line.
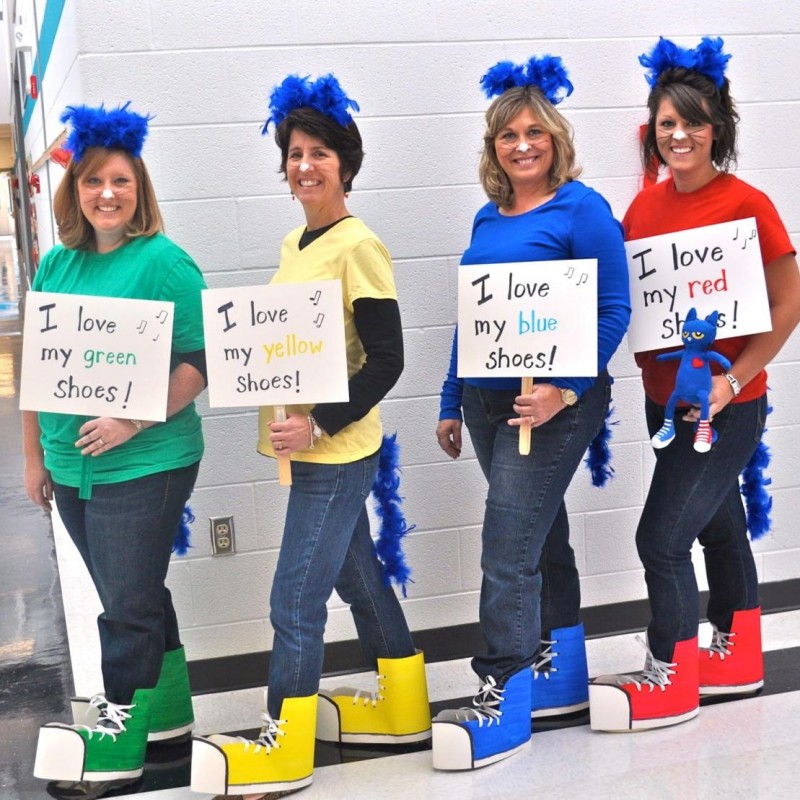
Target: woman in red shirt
[695,495]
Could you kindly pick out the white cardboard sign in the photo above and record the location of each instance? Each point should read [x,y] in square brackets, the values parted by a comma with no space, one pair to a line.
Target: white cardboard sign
[534,319]
[280,344]
[713,268]
[96,356]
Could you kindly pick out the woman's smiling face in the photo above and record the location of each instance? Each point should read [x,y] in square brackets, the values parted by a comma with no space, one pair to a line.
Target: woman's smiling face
[685,145]
[525,150]
[313,171]
[108,196]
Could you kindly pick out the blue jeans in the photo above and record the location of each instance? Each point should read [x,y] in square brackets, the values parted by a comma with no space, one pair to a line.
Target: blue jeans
[124,535]
[326,545]
[525,538]
[696,496]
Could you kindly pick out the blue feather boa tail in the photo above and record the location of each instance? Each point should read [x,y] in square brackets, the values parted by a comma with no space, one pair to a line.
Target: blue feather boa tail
[757,501]
[183,536]
[598,460]
[393,524]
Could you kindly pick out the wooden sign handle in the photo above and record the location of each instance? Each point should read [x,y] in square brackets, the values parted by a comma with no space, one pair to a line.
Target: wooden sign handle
[284,463]
[525,430]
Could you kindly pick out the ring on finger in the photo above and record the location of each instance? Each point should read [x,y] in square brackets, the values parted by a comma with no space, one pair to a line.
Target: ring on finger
[100,440]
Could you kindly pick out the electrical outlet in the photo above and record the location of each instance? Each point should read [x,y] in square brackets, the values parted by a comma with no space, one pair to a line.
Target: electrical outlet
[223,541]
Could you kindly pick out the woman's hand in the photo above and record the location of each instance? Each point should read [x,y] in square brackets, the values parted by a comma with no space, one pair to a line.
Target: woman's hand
[448,434]
[38,483]
[538,407]
[100,435]
[721,395]
[291,436]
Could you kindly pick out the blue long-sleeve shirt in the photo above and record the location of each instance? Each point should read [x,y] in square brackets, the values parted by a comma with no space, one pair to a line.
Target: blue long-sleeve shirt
[576,223]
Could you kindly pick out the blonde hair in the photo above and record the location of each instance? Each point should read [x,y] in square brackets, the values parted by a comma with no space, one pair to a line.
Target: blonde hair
[494,180]
[74,230]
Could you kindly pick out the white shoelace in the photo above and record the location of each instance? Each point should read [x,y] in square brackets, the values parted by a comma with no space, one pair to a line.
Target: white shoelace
[704,431]
[721,643]
[370,698]
[544,665]
[485,704]
[268,737]
[111,721]
[655,674]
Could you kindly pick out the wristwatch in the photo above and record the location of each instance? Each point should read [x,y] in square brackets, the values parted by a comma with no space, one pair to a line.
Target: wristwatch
[735,385]
[568,397]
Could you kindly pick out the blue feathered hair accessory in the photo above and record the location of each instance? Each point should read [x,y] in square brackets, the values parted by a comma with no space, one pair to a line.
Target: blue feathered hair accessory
[394,527]
[547,73]
[598,459]
[116,128]
[707,58]
[325,95]
[183,536]
[757,501]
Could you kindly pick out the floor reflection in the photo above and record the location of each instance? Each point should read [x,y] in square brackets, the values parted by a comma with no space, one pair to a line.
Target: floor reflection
[35,676]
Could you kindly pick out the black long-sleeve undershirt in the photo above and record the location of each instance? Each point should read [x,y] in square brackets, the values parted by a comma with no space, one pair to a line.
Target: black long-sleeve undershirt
[197,359]
[381,332]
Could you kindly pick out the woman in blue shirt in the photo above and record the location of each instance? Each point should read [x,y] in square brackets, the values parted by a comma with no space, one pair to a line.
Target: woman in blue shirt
[537,211]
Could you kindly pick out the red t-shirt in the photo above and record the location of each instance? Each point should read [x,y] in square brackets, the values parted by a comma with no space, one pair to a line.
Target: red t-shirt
[662,209]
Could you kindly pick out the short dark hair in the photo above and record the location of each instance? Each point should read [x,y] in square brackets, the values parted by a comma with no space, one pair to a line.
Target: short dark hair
[74,230]
[346,142]
[695,97]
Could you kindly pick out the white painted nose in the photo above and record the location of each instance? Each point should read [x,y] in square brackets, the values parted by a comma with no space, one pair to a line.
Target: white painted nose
[679,135]
[107,194]
[524,147]
[305,167]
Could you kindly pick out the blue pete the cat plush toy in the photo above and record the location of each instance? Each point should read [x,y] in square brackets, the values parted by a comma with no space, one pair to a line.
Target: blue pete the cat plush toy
[693,381]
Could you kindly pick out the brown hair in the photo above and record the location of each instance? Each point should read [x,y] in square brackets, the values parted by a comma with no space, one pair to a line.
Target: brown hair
[346,142]
[697,98]
[494,181]
[74,230]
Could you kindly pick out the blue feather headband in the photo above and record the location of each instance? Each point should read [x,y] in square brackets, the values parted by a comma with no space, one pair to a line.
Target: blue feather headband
[325,95]
[117,128]
[546,73]
[707,58]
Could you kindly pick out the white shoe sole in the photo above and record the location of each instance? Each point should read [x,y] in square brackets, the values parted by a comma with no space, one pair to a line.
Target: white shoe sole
[740,688]
[559,711]
[210,772]
[452,749]
[658,444]
[61,756]
[329,728]
[610,712]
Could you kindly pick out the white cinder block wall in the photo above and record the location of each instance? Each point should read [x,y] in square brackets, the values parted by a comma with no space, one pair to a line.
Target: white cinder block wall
[206,69]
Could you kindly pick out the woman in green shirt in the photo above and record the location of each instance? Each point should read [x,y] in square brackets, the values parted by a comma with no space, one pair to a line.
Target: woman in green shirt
[120,485]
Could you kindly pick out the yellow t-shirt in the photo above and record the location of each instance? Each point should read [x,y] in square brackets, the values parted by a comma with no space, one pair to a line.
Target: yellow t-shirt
[351,252]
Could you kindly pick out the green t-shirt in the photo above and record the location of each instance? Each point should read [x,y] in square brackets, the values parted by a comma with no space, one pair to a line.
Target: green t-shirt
[145,268]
